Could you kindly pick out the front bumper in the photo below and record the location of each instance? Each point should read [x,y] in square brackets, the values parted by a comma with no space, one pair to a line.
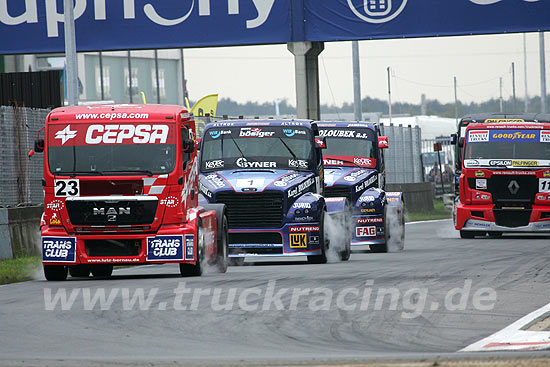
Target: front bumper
[170,244]
[482,218]
[293,239]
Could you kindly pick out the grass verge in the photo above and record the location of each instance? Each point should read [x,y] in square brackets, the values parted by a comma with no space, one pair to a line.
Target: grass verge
[438,212]
[19,270]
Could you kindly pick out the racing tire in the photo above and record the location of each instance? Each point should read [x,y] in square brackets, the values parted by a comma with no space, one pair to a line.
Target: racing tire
[55,272]
[345,254]
[79,271]
[320,259]
[195,270]
[467,234]
[221,261]
[102,270]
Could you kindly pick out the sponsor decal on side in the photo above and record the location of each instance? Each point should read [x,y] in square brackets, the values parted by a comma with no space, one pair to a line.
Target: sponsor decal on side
[54,220]
[524,163]
[162,248]
[304,229]
[481,184]
[369,220]
[480,174]
[55,205]
[204,190]
[216,180]
[255,132]
[301,205]
[285,180]
[298,240]
[59,249]
[189,247]
[291,132]
[214,134]
[365,231]
[545,136]
[365,184]
[219,163]
[298,163]
[367,198]
[301,188]
[244,163]
[476,136]
[170,201]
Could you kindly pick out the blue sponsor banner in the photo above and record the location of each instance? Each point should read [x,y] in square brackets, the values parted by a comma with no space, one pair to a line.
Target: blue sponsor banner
[373,19]
[164,248]
[530,136]
[59,249]
[36,26]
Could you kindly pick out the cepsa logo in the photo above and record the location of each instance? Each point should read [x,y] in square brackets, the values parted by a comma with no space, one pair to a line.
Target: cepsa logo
[127,134]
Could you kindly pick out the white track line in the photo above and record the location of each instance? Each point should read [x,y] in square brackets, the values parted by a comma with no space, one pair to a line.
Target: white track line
[513,338]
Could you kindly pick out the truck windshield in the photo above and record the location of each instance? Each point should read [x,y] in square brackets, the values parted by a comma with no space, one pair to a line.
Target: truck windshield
[507,144]
[275,147]
[111,149]
[349,146]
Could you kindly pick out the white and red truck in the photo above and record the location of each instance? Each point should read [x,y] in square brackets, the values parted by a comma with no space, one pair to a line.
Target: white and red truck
[121,188]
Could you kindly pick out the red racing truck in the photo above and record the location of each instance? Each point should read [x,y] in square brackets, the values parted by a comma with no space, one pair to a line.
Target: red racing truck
[504,185]
[121,188]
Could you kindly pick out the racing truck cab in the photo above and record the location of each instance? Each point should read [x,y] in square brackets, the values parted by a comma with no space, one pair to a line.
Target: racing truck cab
[269,174]
[354,169]
[121,188]
[504,185]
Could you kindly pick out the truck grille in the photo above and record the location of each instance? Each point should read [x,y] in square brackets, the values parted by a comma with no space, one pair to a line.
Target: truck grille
[257,210]
[338,191]
[98,212]
[513,189]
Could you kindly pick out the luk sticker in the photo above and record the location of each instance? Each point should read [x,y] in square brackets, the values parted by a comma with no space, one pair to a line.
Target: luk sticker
[162,248]
[477,136]
[59,249]
[298,240]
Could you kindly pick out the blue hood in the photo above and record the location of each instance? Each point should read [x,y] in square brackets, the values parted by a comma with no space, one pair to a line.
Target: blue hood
[251,180]
[347,176]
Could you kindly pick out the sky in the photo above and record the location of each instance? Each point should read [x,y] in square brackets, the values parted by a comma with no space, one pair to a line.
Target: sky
[419,66]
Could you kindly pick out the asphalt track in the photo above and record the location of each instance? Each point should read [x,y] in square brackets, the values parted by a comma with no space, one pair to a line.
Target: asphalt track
[435,260]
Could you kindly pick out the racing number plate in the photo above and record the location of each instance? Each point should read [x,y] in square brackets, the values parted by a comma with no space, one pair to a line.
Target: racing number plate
[65,188]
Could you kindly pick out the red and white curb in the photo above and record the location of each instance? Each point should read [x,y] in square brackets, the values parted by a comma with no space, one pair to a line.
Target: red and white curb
[513,337]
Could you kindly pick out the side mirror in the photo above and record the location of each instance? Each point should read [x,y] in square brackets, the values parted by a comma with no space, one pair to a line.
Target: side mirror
[39,145]
[321,142]
[188,146]
[383,142]
[461,142]
[454,139]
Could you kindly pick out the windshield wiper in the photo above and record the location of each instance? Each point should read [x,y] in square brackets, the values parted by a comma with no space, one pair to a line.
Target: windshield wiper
[237,145]
[146,171]
[288,148]
[74,173]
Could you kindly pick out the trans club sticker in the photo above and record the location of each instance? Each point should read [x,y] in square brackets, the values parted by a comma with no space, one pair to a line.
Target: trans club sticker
[162,248]
[59,249]
[189,247]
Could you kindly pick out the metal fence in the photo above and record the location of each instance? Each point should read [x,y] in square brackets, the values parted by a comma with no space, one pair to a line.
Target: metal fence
[431,168]
[403,163]
[21,176]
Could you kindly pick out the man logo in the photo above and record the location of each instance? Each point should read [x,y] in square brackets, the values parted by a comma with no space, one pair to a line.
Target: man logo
[377,11]
[298,240]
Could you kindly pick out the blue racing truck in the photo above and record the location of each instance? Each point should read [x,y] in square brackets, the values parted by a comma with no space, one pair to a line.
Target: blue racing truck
[354,168]
[269,174]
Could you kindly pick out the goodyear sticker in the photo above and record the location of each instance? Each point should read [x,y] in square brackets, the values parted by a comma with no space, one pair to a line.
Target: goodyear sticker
[480,174]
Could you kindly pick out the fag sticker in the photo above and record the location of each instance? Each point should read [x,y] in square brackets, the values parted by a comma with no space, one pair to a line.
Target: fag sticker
[481,184]
[478,136]
[365,231]
[162,248]
[298,240]
[59,249]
